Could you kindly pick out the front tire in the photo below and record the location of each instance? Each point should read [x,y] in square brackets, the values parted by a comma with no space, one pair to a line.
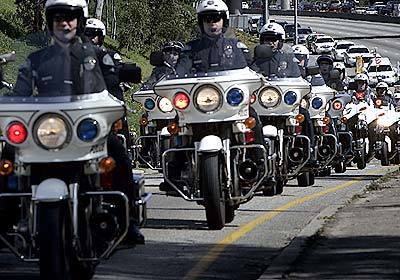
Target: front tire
[385,154]
[54,241]
[211,185]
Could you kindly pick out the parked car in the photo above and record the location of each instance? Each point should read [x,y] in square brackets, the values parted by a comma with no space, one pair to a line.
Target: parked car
[370,11]
[310,38]
[253,27]
[334,6]
[289,30]
[381,69]
[352,52]
[245,6]
[323,44]
[339,48]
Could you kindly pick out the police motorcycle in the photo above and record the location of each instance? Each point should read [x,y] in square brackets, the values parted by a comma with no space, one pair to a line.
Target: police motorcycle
[212,163]
[154,137]
[326,146]
[56,202]
[359,115]
[387,120]
[277,103]
[335,110]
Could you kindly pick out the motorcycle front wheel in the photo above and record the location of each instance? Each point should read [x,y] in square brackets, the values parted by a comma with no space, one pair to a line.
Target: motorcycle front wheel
[211,184]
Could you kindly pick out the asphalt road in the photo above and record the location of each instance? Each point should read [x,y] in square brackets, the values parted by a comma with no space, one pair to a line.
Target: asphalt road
[179,245]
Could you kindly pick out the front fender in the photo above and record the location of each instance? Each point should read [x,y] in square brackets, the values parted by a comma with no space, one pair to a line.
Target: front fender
[210,143]
[50,190]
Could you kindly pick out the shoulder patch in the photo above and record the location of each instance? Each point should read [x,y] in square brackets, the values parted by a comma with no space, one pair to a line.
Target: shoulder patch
[241,45]
[107,60]
[117,56]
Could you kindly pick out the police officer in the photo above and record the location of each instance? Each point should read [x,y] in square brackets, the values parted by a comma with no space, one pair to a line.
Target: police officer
[283,63]
[325,64]
[383,92]
[213,51]
[111,65]
[302,54]
[70,67]
[171,52]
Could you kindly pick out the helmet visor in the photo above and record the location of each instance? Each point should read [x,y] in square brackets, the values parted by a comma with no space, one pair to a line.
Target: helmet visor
[212,18]
[93,32]
[381,90]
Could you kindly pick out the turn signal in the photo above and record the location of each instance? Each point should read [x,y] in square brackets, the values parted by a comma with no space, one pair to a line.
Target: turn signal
[300,118]
[144,121]
[250,122]
[378,102]
[107,165]
[326,120]
[6,167]
[344,120]
[253,98]
[173,128]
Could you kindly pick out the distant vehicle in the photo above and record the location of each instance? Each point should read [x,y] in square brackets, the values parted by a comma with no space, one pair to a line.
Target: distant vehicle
[334,6]
[302,34]
[381,69]
[370,11]
[339,49]
[253,27]
[352,52]
[289,30]
[245,6]
[310,38]
[323,44]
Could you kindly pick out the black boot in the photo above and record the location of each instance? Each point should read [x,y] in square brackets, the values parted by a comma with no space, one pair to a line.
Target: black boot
[134,236]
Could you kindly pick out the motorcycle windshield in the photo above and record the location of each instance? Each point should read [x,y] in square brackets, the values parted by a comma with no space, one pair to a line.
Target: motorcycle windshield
[55,69]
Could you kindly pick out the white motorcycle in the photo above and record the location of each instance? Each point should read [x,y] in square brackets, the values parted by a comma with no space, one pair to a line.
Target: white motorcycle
[387,121]
[154,137]
[360,114]
[57,205]
[212,164]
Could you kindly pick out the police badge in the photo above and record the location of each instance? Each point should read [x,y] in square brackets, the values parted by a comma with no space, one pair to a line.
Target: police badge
[228,51]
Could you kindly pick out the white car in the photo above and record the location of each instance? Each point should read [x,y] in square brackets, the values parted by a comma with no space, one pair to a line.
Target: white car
[245,6]
[352,52]
[323,44]
[370,11]
[340,48]
[380,69]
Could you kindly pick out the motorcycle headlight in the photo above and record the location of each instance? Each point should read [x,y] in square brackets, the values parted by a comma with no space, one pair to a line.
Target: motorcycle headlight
[317,103]
[207,99]
[87,130]
[290,97]
[165,105]
[52,132]
[270,97]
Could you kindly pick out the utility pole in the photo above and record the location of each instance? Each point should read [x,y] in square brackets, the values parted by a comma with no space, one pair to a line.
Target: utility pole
[296,31]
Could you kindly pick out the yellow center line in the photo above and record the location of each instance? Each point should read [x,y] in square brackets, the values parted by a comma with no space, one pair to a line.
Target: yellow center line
[217,249]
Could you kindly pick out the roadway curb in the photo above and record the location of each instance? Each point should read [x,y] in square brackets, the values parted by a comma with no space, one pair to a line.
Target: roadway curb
[281,264]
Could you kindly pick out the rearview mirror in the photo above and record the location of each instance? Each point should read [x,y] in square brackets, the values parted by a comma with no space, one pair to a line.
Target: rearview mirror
[157,58]
[312,70]
[9,57]
[263,51]
[129,72]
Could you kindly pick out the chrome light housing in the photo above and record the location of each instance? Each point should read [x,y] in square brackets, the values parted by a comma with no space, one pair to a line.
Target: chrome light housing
[270,97]
[165,105]
[51,132]
[207,99]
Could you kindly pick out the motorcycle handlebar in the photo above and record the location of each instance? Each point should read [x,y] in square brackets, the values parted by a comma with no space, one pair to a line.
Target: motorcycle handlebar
[9,57]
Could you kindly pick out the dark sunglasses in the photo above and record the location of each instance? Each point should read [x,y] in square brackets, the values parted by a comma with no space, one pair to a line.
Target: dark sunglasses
[64,17]
[212,18]
[93,32]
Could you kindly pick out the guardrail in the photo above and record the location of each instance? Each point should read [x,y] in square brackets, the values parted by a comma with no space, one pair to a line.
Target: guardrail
[372,18]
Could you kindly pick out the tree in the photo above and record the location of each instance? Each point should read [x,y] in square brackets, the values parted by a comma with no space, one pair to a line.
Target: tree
[31,13]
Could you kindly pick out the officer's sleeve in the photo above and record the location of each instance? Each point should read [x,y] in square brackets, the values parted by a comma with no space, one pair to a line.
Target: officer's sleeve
[185,62]
[25,81]
[246,52]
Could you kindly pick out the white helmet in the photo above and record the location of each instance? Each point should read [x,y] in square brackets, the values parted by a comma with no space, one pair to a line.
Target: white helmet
[273,29]
[212,7]
[301,53]
[396,95]
[361,77]
[382,88]
[97,25]
[73,7]
[339,65]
